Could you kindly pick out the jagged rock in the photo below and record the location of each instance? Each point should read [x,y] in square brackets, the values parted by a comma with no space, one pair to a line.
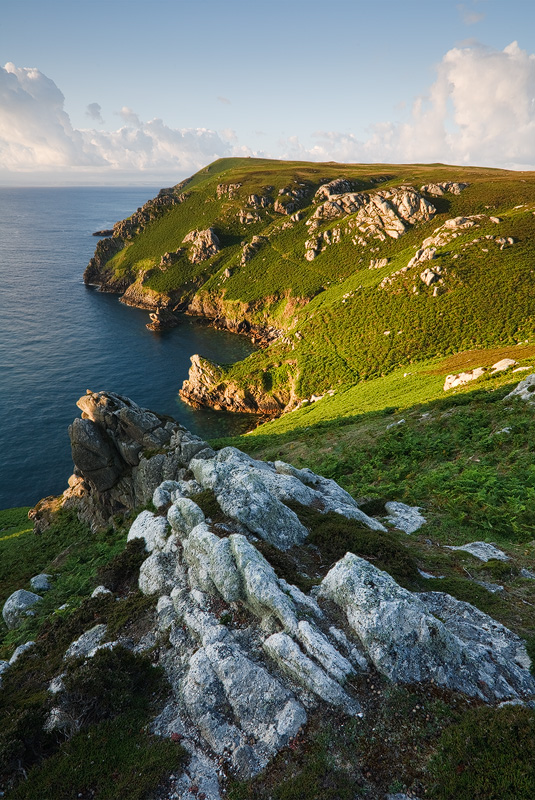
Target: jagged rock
[94,454]
[336,187]
[452,381]
[230,189]
[409,644]
[378,263]
[253,493]
[168,259]
[430,276]
[525,390]
[247,217]
[481,550]
[319,648]
[205,244]
[151,528]
[406,518]
[41,583]
[302,669]
[86,643]
[162,319]
[18,606]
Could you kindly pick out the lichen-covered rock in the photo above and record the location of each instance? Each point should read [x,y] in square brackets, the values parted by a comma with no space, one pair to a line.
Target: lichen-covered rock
[405,518]
[41,582]
[152,529]
[20,650]
[211,564]
[87,642]
[525,390]
[409,644]
[205,244]
[482,550]
[184,515]
[318,646]
[18,606]
[302,669]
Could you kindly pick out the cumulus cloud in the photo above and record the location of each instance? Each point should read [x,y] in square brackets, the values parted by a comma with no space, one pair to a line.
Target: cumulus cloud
[480,110]
[93,111]
[36,136]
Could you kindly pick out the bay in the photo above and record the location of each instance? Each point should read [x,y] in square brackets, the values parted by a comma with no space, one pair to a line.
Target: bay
[59,337]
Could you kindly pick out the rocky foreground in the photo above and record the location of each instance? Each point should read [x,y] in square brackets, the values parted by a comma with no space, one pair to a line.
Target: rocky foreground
[248,655]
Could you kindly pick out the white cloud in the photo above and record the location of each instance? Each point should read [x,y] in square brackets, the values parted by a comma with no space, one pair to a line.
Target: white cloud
[36,136]
[480,110]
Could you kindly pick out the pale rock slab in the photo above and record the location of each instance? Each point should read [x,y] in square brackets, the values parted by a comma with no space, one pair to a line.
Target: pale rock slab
[86,642]
[409,644]
[481,550]
[184,515]
[405,518]
[525,390]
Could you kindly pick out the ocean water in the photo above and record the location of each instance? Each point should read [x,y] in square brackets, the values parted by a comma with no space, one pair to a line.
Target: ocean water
[59,337]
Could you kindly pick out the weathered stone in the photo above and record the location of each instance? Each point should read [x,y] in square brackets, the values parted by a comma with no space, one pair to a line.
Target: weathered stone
[157,574]
[503,364]
[87,642]
[18,606]
[41,583]
[481,550]
[151,528]
[302,669]
[525,390]
[100,591]
[453,381]
[406,518]
[211,564]
[409,644]
[184,515]
[318,647]
[95,455]
[20,650]
[205,244]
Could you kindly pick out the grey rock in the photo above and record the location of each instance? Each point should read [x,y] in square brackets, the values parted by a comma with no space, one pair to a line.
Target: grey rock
[525,390]
[184,515]
[151,528]
[157,573]
[406,518]
[95,455]
[409,644]
[481,550]
[319,648]
[211,563]
[22,648]
[87,642]
[41,583]
[18,606]
[291,659]
[100,591]
[205,244]
[3,666]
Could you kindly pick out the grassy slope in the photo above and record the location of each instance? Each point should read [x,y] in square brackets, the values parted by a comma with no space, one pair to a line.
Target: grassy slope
[333,302]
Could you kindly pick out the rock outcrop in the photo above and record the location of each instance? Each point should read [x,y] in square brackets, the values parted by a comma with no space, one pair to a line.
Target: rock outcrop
[204,245]
[18,606]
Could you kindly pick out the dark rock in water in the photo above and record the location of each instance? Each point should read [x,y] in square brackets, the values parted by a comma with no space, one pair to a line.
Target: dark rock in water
[104,232]
[161,320]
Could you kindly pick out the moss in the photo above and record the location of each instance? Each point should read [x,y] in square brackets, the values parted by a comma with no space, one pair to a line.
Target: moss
[488,755]
[208,504]
[121,574]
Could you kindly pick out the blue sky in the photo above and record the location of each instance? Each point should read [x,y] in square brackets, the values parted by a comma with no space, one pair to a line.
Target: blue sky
[139,92]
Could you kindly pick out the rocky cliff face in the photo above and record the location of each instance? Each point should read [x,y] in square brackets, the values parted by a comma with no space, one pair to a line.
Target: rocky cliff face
[206,386]
[249,655]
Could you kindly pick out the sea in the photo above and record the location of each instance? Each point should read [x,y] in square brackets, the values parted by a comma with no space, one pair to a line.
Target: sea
[59,337]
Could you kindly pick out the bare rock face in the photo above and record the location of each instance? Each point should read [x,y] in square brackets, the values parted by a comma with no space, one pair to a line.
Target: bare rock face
[205,244]
[439,189]
[121,453]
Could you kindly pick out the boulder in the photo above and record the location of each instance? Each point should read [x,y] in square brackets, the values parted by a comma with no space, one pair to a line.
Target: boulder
[20,650]
[405,518]
[503,364]
[151,528]
[18,606]
[411,639]
[86,643]
[525,390]
[41,583]
[452,381]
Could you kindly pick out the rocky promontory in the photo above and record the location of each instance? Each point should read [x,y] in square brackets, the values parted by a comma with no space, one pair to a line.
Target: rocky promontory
[249,655]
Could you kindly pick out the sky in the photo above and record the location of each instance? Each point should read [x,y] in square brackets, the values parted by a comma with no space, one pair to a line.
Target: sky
[117,92]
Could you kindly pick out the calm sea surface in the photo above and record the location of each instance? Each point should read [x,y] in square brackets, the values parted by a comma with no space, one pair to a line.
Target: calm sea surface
[59,337]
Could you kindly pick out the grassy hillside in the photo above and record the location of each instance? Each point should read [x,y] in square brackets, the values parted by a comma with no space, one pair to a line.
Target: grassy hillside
[341,324]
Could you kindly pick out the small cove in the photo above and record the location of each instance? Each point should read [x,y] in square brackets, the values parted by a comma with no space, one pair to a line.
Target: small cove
[59,337]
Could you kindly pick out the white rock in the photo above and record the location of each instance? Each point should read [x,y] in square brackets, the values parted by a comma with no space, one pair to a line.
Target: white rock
[525,390]
[22,648]
[157,574]
[18,606]
[291,659]
[319,647]
[406,518]
[481,550]
[504,364]
[452,381]
[86,642]
[409,644]
[184,515]
[211,562]
[99,591]
[151,528]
